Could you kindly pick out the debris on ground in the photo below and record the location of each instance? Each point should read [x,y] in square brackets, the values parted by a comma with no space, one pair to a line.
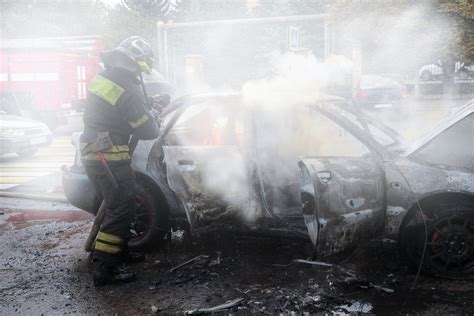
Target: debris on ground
[200,257]
[315,263]
[45,270]
[364,284]
[217,261]
[217,308]
[355,307]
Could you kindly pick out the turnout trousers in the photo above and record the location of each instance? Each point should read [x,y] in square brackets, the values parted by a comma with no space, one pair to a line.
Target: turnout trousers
[111,243]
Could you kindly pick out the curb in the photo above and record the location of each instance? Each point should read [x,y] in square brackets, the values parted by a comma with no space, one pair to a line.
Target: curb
[31,196]
[23,216]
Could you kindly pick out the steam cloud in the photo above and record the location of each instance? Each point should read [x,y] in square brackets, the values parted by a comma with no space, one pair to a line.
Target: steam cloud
[269,120]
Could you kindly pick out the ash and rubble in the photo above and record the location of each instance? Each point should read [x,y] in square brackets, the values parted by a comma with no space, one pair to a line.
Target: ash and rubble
[45,271]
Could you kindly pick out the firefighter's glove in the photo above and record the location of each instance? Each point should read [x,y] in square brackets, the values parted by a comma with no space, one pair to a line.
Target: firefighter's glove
[159,102]
[163,100]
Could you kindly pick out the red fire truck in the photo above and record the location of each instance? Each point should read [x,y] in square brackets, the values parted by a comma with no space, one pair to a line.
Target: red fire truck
[45,78]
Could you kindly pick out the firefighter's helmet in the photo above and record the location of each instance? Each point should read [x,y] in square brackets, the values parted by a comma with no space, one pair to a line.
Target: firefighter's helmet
[139,50]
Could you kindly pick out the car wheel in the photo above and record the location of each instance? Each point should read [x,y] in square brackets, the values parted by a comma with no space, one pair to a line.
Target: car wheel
[426,75]
[27,152]
[450,242]
[150,222]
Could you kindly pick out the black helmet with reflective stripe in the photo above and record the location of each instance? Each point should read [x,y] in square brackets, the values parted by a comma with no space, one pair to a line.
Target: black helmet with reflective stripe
[139,50]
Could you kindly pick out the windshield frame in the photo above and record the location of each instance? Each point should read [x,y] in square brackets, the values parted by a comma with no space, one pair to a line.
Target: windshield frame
[333,108]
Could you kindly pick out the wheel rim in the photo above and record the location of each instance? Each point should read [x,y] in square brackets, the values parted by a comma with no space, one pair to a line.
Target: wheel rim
[450,247]
[141,221]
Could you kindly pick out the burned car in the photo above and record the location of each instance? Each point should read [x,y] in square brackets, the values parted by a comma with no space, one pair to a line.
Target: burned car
[321,170]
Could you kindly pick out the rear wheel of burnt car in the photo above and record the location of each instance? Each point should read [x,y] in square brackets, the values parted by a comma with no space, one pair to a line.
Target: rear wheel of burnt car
[150,222]
[449,237]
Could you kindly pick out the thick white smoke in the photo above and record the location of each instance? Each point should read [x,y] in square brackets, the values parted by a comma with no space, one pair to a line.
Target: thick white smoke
[261,160]
[299,79]
[272,118]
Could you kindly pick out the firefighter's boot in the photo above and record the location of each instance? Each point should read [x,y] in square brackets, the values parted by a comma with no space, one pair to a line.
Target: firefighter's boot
[104,275]
[135,256]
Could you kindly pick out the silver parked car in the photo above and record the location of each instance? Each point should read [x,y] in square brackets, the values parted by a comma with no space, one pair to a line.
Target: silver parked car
[22,135]
[322,171]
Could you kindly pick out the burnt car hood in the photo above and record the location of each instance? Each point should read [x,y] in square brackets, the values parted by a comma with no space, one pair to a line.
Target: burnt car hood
[401,147]
[453,116]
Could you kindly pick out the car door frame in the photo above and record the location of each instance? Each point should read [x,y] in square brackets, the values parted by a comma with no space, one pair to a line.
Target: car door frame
[179,106]
[309,188]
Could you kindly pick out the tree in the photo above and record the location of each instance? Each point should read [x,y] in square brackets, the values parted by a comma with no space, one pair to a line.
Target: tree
[268,8]
[461,13]
[401,35]
[153,9]
[205,10]
[30,18]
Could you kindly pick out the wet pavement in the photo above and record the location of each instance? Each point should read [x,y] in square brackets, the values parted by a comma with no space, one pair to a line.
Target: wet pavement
[44,270]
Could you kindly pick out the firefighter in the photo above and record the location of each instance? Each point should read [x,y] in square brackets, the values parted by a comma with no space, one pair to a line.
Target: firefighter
[116,107]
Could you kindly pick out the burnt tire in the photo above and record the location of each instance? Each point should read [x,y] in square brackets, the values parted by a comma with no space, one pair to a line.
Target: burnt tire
[449,238]
[150,222]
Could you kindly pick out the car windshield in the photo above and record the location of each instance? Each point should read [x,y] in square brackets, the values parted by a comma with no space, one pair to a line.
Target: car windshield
[376,132]
[14,103]
[382,134]
[187,113]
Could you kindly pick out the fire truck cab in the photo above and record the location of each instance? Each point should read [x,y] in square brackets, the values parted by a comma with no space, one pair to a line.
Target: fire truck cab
[46,78]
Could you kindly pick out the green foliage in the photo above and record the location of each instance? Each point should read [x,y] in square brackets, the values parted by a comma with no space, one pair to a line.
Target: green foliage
[461,13]
[427,30]
[121,22]
[154,9]
[28,18]
[205,10]
[271,8]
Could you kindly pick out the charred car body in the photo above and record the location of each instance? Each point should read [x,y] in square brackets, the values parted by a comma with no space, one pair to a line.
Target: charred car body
[220,165]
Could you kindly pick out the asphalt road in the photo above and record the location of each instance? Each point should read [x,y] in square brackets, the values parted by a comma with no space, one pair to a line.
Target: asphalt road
[15,170]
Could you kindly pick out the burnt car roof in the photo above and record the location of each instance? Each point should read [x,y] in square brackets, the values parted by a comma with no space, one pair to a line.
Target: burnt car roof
[335,107]
[332,106]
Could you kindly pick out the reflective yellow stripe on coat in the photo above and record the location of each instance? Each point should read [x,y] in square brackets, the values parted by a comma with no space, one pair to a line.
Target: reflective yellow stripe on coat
[108,156]
[140,121]
[105,89]
[114,239]
[107,248]
[116,153]
[108,243]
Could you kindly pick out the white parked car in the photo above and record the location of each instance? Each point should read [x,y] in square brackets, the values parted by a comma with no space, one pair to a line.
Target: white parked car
[435,71]
[22,135]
